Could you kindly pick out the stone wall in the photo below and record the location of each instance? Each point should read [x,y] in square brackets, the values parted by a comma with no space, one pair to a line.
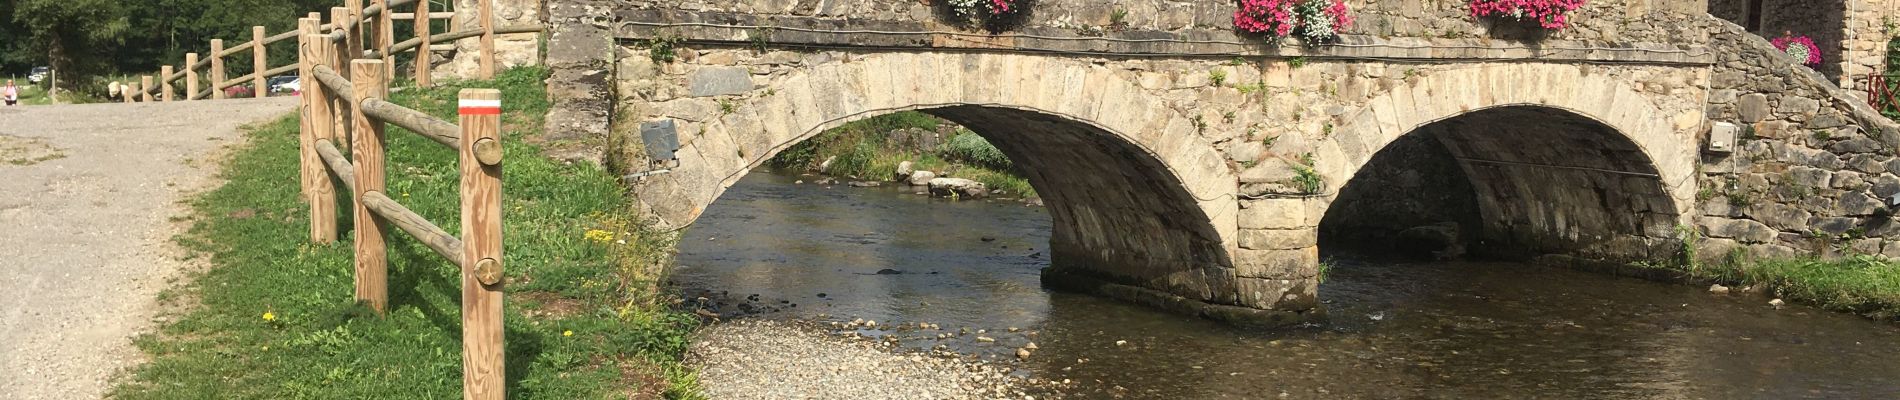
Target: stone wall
[1852,34]
[510,50]
[1813,166]
[1603,21]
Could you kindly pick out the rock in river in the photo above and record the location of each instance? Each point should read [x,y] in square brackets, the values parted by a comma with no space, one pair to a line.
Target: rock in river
[903,171]
[945,187]
[921,178]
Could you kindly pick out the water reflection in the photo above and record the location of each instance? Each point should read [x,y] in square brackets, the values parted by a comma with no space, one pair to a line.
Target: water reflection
[1396,330]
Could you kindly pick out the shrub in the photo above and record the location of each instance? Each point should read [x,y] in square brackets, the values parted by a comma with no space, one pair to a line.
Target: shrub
[969,148]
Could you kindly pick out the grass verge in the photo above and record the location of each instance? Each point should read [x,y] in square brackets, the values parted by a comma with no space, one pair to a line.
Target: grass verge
[864,150]
[273,316]
[1860,284]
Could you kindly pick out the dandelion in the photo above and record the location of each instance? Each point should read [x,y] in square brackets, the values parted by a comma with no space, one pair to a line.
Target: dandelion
[599,235]
[268,316]
[567,333]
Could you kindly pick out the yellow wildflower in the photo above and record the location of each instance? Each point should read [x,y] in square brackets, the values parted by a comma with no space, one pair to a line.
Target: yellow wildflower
[599,235]
[268,316]
[567,333]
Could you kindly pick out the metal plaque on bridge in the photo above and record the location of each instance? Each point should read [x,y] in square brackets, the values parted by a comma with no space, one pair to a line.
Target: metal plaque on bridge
[661,138]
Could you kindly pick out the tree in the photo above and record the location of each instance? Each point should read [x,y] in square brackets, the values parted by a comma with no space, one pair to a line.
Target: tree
[77,37]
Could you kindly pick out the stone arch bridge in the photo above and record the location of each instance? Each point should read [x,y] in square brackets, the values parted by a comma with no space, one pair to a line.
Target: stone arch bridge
[1192,169]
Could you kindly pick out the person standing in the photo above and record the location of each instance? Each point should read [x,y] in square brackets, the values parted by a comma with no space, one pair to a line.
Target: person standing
[12,94]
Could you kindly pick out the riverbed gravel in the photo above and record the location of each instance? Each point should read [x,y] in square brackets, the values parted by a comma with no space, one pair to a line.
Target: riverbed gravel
[765,359]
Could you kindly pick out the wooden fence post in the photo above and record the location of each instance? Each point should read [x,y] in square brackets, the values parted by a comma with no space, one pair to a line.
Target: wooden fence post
[488,38]
[386,37]
[165,83]
[217,68]
[127,90]
[422,49]
[339,59]
[372,274]
[320,119]
[482,373]
[191,76]
[145,88]
[355,35]
[259,63]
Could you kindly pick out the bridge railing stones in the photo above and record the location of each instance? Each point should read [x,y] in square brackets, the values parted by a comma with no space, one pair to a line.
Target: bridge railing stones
[742,29]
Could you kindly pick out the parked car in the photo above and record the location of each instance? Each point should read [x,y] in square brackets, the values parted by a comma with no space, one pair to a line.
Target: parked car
[285,84]
[38,74]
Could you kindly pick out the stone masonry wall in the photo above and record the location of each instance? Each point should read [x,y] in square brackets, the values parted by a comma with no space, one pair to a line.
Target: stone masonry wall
[1812,170]
[510,50]
[1606,21]
[1853,34]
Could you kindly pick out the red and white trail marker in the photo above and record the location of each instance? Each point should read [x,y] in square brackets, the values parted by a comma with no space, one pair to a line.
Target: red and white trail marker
[480,107]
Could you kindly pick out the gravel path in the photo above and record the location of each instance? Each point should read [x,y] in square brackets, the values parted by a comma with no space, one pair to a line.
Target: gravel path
[86,194]
[762,359]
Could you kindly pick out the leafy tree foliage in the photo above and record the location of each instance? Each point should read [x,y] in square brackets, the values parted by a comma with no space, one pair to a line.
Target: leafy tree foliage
[89,38]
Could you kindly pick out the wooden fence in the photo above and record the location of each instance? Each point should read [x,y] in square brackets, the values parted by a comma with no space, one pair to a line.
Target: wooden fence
[345,68]
[213,82]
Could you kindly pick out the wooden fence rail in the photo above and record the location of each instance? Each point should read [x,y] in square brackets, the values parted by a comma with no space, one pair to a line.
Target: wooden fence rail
[345,68]
[162,86]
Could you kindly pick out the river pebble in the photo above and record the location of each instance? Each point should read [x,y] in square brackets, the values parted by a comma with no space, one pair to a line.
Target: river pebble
[758,359]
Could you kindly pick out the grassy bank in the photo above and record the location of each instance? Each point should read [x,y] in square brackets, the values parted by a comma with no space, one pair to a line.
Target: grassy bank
[272,316]
[1860,284]
[864,150]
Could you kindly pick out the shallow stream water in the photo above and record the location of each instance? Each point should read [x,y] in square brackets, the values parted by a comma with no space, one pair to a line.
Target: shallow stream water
[1394,330]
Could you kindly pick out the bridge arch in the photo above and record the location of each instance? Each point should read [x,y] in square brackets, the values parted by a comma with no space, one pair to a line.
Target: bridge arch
[1562,160]
[1138,197]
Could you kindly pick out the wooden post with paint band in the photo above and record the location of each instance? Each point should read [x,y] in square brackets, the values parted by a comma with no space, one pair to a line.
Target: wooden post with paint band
[366,155]
[488,38]
[259,63]
[145,88]
[482,369]
[217,68]
[165,83]
[191,76]
[422,61]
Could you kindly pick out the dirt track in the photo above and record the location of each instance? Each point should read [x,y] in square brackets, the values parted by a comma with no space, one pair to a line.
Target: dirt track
[86,196]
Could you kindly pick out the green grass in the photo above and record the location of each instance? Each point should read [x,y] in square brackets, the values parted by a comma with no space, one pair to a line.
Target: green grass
[598,285]
[1859,284]
[863,151]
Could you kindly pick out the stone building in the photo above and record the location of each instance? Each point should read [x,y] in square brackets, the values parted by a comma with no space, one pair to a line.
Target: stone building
[1852,34]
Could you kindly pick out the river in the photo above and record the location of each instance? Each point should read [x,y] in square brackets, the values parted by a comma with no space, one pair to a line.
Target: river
[1460,330]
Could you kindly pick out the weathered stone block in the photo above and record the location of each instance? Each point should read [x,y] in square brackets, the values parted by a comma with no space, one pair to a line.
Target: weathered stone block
[1277,264]
[1753,107]
[1273,214]
[1742,230]
[719,81]
[1779,216]
[1279,294]
[1278,239]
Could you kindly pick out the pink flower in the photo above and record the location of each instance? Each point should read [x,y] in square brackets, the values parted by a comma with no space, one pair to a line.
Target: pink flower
[1813,53]
[1549,14]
